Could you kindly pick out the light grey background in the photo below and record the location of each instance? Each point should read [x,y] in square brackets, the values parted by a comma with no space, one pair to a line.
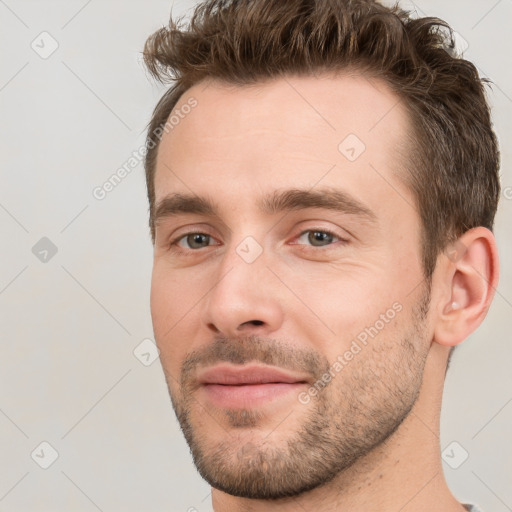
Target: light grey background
[70,325]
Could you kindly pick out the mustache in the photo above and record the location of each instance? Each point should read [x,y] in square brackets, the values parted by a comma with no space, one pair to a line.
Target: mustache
[253,348]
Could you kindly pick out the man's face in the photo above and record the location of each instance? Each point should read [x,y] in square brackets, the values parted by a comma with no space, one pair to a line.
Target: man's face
[288,299]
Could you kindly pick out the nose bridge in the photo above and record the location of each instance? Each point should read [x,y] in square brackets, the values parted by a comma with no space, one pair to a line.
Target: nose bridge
[243,296]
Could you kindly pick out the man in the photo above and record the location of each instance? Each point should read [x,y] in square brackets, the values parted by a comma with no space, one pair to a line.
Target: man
[322,179]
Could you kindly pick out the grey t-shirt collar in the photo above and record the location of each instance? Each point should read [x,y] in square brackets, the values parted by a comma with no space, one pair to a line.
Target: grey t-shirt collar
[471,508]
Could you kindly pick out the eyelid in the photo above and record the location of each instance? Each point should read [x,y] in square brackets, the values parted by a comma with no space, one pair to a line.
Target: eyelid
[174,241]
[329,231]
[189,229]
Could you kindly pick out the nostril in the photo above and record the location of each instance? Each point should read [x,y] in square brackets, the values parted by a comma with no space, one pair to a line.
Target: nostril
[213,328]
[255,322]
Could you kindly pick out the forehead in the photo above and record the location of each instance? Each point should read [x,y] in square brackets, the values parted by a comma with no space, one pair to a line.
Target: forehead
[287,131]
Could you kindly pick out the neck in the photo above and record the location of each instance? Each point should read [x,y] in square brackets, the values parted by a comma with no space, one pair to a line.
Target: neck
[403,473]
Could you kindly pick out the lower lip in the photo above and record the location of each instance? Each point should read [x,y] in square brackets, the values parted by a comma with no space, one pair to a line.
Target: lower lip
[249,395]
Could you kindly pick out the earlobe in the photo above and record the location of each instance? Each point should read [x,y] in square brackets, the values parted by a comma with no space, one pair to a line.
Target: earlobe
[470,279]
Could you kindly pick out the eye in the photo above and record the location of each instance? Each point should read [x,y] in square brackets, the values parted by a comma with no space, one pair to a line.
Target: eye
[193,241]
[317,238]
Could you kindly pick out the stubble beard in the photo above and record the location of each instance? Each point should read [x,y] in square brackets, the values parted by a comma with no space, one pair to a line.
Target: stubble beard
[358,411]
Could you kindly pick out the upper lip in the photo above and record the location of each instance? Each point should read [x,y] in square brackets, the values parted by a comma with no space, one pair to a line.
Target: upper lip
[248,374]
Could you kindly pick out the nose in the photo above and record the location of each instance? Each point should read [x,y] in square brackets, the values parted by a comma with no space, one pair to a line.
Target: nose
[244,299]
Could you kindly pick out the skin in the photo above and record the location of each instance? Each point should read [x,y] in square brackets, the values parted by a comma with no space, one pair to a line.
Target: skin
[297,299]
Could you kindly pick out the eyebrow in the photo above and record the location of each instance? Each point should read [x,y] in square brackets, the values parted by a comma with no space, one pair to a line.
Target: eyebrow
[277,202]
[176,204]
[329,199]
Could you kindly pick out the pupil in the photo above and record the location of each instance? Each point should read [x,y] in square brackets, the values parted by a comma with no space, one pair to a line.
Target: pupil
[198,240]
[319,236]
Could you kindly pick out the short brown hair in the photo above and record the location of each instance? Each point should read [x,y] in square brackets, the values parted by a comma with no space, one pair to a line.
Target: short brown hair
[454,158]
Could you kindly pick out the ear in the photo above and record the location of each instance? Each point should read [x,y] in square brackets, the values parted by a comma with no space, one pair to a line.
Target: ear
[469,272]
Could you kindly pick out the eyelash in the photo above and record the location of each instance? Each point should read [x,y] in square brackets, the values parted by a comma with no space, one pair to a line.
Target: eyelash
[321,230]
[173,245]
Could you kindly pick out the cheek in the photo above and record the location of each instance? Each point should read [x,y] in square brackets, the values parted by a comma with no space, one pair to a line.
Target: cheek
[161,301]
[173,295]
[169,307]
[339,310]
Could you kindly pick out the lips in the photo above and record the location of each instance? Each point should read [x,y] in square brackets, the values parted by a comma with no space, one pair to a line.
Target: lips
[248,387]
[248,375]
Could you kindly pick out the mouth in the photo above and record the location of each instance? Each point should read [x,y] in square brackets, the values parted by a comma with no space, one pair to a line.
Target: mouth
[230,386]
